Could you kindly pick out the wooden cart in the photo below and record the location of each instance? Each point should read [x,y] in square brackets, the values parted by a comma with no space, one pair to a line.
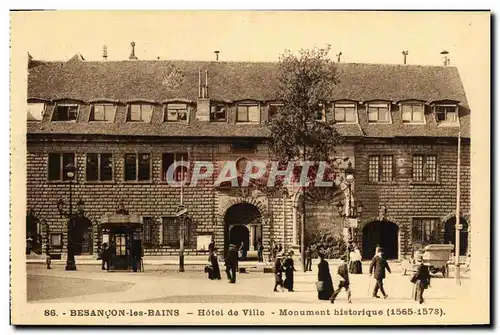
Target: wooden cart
[436,256]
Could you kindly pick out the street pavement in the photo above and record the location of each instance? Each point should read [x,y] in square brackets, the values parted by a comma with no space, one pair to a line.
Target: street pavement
[165,285]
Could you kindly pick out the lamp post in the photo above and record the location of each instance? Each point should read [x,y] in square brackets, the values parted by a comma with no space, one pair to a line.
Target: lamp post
[353,211]
[69,172]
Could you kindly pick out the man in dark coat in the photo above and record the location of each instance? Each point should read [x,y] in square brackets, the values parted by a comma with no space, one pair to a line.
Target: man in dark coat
[377,267]
[111,253]
[278,273]
[104,256]
[421,279]
[231,263]
[289,269]
[211,247]
[343,274]
[325,278]
[308,259]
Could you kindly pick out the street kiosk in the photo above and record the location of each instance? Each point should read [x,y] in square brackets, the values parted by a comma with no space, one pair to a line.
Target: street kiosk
[123,231]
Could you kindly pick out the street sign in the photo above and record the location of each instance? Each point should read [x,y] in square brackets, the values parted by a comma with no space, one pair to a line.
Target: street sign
[352,222]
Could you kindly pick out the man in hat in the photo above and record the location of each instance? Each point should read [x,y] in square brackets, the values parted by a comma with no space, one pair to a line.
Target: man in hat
[231,263]
[378,267]
[278,273]
[421,279]
[343,278]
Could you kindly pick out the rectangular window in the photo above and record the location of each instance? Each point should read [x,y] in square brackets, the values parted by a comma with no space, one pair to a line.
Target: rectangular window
[140,113]
[103,112]
[65,113]
[273,110]
[180,171]
[218,113]
[412,113]
[35,111]
[378,113]
[171,231]
[99,167]
[56,240]
[137,167]
[147,230]
[248,113]
[425,168]
[380,168]
[176,113]
[57,162]
[446,114]
[345,113]
[425,231]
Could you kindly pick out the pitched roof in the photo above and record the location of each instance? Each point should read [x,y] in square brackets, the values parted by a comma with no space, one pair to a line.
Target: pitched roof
[159,80]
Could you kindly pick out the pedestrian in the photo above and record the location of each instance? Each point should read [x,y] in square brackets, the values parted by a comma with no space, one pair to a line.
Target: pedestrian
[111,256]
[343,279]
[231,263]
[308,253]
[377,267]
[355,262]
[278,274]
[260,251]
[244,250]
[136,253]
[211,247]
[289,269]
[214,263]
[280,248]
[104,256]
[324,285]
[421,279]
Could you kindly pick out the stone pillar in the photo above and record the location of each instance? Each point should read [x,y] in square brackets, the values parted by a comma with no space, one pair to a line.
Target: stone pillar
[294,227]
[252,237]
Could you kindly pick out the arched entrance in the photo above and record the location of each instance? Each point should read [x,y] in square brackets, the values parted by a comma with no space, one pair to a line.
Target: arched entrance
[82,236]
[243,223]
[449,234]
[381,233]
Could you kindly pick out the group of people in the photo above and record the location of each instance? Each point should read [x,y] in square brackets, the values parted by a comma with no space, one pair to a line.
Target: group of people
[108,256]
[285,265]
[231,263]
[378,268]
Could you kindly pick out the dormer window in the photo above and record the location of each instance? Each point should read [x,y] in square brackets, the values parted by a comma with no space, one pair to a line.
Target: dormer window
[36,111]
[446,113]
[273,110]
[218,113]
[379,113]
[412,113]
[320,113]
[345,113]
[248,113]
[103,112]
[65,112]
[140,112]
[176,113]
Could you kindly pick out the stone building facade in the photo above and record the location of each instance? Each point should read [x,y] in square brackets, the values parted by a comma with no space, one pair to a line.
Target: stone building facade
[122,124]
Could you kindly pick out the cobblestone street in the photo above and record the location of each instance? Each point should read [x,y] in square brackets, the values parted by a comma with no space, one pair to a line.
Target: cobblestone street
[165,285]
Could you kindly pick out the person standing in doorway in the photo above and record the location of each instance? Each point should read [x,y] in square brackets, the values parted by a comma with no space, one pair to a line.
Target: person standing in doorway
[104,256]
[343,275]
[377,267]
[278,274]
[421,279]
[260,251]
[111,255]
[289,269]
[231,263]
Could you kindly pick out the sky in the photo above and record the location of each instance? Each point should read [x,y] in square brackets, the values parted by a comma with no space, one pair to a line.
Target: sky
[368,37]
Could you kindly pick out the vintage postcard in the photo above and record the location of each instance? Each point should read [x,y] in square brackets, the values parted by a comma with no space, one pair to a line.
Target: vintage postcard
[250,168]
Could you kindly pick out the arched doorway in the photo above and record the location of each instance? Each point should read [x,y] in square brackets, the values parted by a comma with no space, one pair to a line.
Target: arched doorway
[449,234]
[243,223]
[381,233]
[82,236]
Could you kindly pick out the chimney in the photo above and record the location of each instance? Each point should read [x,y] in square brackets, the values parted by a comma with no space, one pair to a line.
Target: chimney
[203,103]
[338,56]
[405,53]
[446,59]
[105,52]
[217,52]
[132,53]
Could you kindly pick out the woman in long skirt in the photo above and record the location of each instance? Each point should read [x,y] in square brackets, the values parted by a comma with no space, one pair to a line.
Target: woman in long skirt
[289,269]
[278,272]
[355,262]
[324,276]
[215,265]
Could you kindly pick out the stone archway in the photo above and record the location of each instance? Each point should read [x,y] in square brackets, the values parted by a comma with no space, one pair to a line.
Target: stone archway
[383,233]
[243,223]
